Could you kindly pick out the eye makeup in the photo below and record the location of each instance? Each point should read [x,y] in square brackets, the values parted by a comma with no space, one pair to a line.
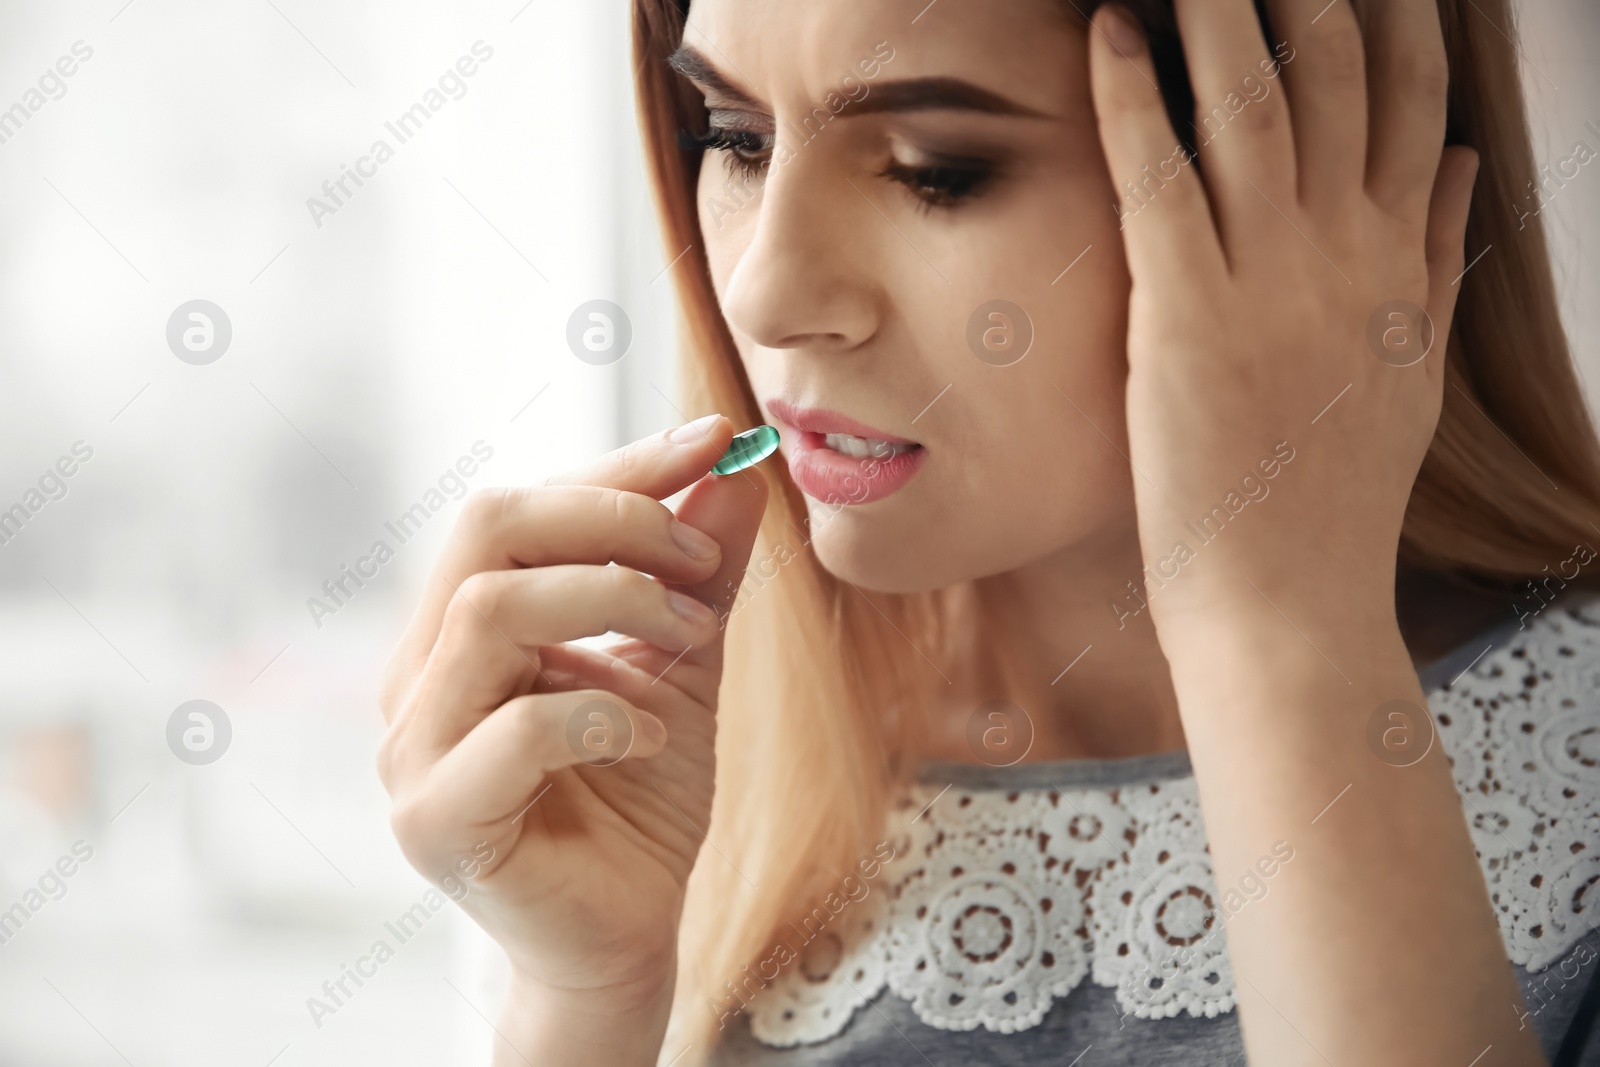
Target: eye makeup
[943,180]
[748,151]
[937,179]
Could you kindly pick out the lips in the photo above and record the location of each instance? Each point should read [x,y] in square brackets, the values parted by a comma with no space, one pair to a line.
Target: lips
[838,460]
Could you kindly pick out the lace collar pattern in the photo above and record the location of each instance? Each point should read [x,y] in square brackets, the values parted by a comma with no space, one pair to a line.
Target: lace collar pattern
[1004,900]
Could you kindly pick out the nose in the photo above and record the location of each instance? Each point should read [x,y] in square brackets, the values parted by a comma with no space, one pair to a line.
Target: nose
[805,279]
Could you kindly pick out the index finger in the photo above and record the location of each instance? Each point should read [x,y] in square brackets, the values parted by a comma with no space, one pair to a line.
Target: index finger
[661,465]
[656,467]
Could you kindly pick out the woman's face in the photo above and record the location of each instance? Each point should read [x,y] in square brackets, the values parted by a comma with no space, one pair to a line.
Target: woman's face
[915,243]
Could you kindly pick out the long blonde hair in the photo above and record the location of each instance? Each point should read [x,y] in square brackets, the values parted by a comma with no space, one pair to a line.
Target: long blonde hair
[822,687]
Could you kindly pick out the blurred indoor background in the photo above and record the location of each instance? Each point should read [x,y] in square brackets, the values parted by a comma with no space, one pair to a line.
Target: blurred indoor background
[374,342]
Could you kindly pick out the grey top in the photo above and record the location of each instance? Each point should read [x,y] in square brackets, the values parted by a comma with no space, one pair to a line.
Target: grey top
[1088,1028]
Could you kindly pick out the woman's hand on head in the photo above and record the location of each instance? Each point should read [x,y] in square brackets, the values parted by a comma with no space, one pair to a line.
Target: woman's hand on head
[580,781]
[1274,432]
[1283,391]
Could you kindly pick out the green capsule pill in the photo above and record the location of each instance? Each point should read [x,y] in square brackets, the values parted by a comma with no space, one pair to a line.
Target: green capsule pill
[748,449]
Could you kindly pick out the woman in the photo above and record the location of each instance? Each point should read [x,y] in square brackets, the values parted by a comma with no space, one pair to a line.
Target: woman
[1133,474]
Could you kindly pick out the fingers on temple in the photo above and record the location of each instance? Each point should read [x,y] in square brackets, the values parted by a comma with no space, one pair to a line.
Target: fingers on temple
[1408,79]
[1165,216]
[1242,124]
[1322,61]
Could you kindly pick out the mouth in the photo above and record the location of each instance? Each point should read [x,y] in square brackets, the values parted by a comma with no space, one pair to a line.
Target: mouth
[864,447]
[838,460]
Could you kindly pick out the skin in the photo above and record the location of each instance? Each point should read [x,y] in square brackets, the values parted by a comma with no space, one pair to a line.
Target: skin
[1217,323]
[831,307]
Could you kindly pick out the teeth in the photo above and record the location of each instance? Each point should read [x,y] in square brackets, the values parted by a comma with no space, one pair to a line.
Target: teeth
[863,447]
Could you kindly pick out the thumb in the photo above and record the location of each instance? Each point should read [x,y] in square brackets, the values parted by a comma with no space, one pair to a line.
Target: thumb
[729,509]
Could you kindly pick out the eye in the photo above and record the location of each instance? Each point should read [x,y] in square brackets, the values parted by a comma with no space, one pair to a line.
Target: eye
[747,150]
[942,184]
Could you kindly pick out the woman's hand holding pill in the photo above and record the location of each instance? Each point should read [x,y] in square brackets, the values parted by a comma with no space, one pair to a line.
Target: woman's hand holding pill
[588,773]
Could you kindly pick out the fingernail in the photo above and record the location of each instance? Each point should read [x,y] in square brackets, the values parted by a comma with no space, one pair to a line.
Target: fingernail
[691,432]
[651,727]
[1123,32]
[695,544]
[688,607]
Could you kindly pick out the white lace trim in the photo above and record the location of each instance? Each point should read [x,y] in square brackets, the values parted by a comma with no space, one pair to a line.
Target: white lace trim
[1001,902]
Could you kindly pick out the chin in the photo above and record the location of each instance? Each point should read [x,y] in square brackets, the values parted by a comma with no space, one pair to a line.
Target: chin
[854,548]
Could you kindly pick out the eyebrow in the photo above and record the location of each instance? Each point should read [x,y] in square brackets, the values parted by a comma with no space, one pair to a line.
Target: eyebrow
[910,94]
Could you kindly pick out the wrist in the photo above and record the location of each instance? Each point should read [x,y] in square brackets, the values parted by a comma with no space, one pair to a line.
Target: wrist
[1246,615]
[1248,653]
[636,994]
[611,1026]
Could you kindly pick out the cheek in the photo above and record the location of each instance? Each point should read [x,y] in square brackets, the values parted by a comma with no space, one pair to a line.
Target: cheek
[1043,269]
[725,234]
[728,209]
[1074,279]
[1032,450]
[713,227]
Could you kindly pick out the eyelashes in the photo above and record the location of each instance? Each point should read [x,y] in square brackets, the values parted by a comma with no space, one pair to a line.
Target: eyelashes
[942,184]
[946,182]
[749,152]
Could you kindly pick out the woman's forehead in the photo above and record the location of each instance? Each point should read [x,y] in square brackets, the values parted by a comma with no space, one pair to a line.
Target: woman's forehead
[780,52]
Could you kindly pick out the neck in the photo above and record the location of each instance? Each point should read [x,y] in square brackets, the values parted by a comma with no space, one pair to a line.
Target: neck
[1078,653]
